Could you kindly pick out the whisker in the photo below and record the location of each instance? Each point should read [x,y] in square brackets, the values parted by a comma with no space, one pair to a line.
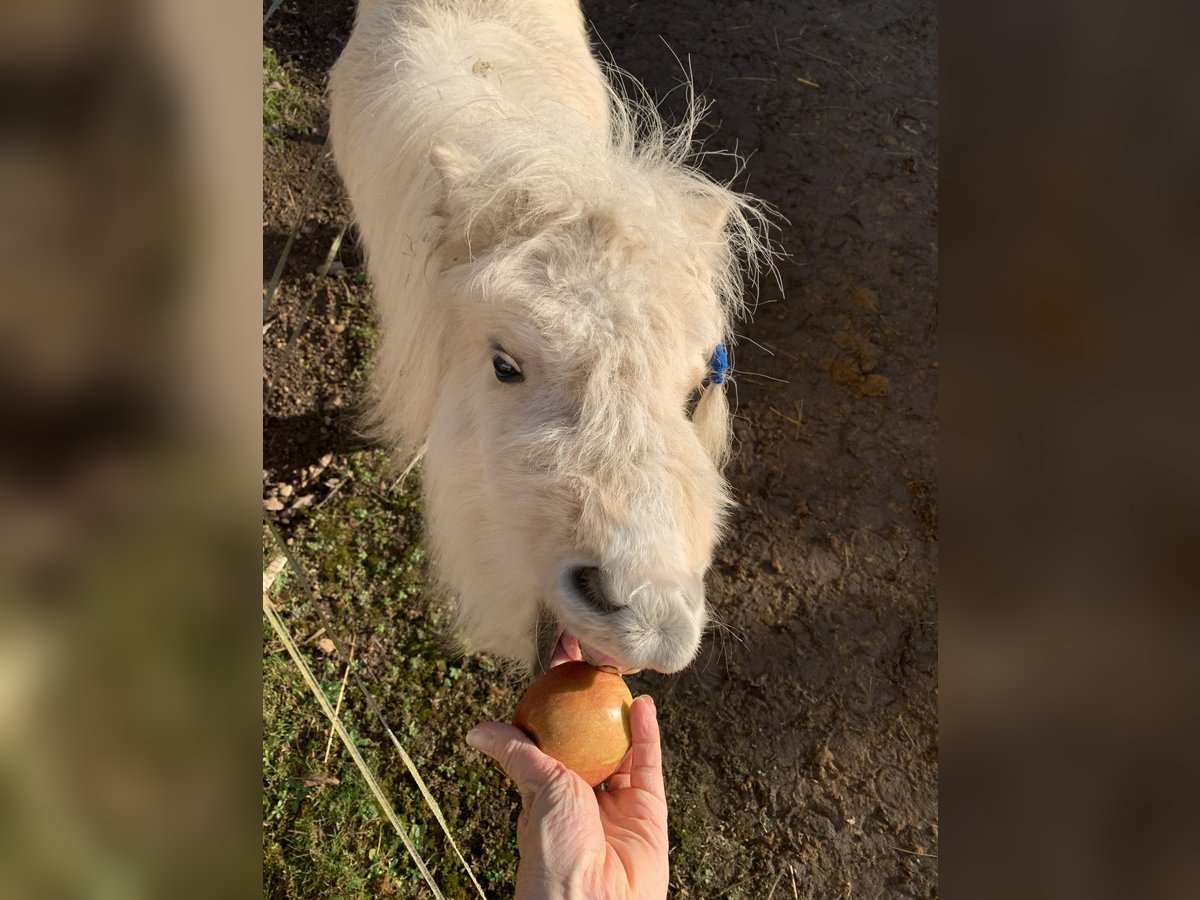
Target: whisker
[637,590]
[761,375]
[742,337]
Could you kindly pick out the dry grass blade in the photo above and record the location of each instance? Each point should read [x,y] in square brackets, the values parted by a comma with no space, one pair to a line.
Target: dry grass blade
[786,418]
[915,853]
[324,268]
[433,805]
[271,11]
[289,348]
[372,783]
[337,707]
[277,275]
[271,572]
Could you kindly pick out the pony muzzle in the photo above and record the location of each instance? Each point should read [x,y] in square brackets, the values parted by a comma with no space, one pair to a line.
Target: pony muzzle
[655,625]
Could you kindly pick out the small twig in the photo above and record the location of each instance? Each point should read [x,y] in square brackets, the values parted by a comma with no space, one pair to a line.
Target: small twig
[805,81]
[333,493]
[795,893]
[337,707]
[831,62]
[795,422]
[737,884]
[312,637]
[915,853]
[774,885]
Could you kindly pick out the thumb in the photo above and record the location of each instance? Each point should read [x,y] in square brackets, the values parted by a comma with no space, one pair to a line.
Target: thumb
[517,755]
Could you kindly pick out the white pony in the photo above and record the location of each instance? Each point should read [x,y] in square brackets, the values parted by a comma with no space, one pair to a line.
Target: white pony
[555,284]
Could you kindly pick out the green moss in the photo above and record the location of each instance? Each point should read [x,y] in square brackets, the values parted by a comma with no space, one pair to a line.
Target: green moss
[283,104]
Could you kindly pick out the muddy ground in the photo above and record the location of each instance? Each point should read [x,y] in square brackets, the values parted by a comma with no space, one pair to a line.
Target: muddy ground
[802,750]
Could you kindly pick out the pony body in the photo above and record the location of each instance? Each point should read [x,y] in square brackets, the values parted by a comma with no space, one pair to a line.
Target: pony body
[551,278]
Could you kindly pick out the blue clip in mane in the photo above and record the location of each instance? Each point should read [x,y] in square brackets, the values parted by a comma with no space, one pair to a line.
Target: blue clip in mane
[718,365]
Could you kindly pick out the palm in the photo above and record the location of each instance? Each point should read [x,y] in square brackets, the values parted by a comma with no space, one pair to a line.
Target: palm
[635,830]
[580,842]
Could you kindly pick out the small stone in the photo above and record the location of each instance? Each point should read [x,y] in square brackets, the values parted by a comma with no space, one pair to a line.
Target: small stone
[285,490]
[844,370]
[272,505]
[865,298]
[874,386]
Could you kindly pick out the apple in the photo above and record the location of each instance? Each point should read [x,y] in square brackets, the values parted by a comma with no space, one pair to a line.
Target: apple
[579,715]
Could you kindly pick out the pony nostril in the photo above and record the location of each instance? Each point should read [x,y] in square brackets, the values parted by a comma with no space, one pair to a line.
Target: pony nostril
[590,584]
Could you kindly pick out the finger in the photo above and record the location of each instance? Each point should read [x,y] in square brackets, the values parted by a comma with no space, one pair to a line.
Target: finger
[645,770]
[517,755]
[619,779]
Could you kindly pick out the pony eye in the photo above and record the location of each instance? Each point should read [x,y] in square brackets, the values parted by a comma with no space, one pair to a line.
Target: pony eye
[506,368]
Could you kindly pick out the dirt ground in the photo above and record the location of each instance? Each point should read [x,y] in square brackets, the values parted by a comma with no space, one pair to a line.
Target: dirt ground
[802,747]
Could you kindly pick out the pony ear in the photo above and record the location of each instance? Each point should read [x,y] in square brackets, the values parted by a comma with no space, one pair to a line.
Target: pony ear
[708,213]
[476,216]
[453,165]
[463,237]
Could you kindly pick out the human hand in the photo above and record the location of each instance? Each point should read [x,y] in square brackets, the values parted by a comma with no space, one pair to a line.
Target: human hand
[580,843]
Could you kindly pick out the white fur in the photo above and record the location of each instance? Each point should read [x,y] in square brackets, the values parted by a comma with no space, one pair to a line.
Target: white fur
[508,195]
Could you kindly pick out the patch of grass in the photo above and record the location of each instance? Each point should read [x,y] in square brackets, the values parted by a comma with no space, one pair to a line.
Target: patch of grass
[365,554]
[283,103]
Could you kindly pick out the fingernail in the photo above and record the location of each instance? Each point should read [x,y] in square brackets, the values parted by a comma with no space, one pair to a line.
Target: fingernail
[477,738]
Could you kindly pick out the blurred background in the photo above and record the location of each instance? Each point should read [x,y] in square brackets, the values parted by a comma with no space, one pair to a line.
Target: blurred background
[130,153]
[1070,234]
[130,288]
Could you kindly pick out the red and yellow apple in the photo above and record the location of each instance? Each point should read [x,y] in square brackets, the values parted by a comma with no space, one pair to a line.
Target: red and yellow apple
[579,715]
